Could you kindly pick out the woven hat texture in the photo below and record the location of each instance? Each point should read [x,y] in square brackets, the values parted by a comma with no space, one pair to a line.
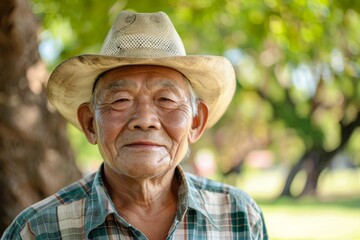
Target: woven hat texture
[142,39]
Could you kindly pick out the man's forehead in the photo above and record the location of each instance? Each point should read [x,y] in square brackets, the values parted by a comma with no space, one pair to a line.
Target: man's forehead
[157,76]
[119,83]
[138,69]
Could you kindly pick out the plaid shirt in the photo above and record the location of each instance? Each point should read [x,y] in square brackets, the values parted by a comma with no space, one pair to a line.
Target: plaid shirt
[84,210]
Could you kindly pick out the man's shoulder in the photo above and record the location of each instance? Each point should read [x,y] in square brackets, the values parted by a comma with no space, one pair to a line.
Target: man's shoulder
[47,209]
[217,195]
[73,192]
[226,203]
[216,187]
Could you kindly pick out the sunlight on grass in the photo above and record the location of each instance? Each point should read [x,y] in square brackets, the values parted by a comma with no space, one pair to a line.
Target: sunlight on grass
[311,222]
[344,182]
[334,214]
[311,219]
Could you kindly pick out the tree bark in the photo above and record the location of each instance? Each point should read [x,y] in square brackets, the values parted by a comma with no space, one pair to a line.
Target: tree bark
[316,163]
[316,160]
[35,157]
[286,192]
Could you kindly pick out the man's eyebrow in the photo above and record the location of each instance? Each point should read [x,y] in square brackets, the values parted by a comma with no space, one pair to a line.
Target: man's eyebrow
[118,84]
[167,83]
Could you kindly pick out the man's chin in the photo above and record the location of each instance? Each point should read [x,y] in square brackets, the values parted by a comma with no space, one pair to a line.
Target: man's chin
[146,166]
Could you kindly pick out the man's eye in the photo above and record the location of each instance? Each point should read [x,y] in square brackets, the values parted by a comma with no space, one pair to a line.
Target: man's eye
[165,99]
[120,103]
[122,100]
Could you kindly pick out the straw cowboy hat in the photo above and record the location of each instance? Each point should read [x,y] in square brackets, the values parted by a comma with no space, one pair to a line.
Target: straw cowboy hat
[142,39]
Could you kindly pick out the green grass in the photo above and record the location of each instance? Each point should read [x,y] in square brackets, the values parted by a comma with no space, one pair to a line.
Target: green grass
[333,214]
[312,219]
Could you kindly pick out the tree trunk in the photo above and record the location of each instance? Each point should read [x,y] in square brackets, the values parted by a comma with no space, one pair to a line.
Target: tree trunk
[316,160]
[316,163]
[286,192]
[313,162]
[35,156]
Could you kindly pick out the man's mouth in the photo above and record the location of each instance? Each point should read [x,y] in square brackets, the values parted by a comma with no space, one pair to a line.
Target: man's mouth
[143,144]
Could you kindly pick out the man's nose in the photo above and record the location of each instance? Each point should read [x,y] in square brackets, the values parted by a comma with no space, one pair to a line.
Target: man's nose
[145,117]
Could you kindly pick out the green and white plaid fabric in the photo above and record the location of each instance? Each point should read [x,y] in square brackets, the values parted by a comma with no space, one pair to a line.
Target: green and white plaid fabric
[83,210]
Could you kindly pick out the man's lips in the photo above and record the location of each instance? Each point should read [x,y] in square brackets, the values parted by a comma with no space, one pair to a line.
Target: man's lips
[143,144]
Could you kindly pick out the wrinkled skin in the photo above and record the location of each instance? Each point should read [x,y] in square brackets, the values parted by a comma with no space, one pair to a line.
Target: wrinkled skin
[142,120]
[143,123]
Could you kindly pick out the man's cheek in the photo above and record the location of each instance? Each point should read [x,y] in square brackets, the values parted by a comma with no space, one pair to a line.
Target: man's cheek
[177,118]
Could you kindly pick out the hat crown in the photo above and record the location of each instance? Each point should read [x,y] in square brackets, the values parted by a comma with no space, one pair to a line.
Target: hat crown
[143,35]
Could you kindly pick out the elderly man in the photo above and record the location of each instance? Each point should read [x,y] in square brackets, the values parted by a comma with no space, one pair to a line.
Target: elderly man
[142,101]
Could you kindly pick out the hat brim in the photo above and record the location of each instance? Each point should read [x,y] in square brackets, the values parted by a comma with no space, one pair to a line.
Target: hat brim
[71,83]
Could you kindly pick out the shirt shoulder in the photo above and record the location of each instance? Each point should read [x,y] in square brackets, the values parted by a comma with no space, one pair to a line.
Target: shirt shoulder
[45,211]
[224,204]
[218,188]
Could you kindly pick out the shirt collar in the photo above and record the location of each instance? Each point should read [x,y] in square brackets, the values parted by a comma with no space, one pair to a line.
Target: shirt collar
[100,205]
[191,197]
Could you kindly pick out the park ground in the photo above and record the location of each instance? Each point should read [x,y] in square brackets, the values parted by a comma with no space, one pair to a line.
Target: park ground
[334,214]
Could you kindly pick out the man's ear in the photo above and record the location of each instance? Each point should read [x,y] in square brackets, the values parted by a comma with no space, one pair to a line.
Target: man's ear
[86,119]
[199,122]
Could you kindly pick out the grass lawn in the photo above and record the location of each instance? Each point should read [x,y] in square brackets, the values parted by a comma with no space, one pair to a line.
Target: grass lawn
[312,219]
[334,214]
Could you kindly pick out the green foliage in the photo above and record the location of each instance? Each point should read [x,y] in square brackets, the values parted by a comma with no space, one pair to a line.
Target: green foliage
[87,155]
[297,63]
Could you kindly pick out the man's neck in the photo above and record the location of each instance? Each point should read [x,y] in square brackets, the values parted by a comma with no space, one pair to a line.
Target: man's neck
[143,201]
[143,192]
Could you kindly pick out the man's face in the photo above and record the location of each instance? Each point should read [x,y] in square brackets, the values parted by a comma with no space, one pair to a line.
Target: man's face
[142,120]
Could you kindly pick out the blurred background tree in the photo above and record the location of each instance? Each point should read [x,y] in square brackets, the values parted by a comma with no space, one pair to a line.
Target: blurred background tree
[36,159]
[297,63]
